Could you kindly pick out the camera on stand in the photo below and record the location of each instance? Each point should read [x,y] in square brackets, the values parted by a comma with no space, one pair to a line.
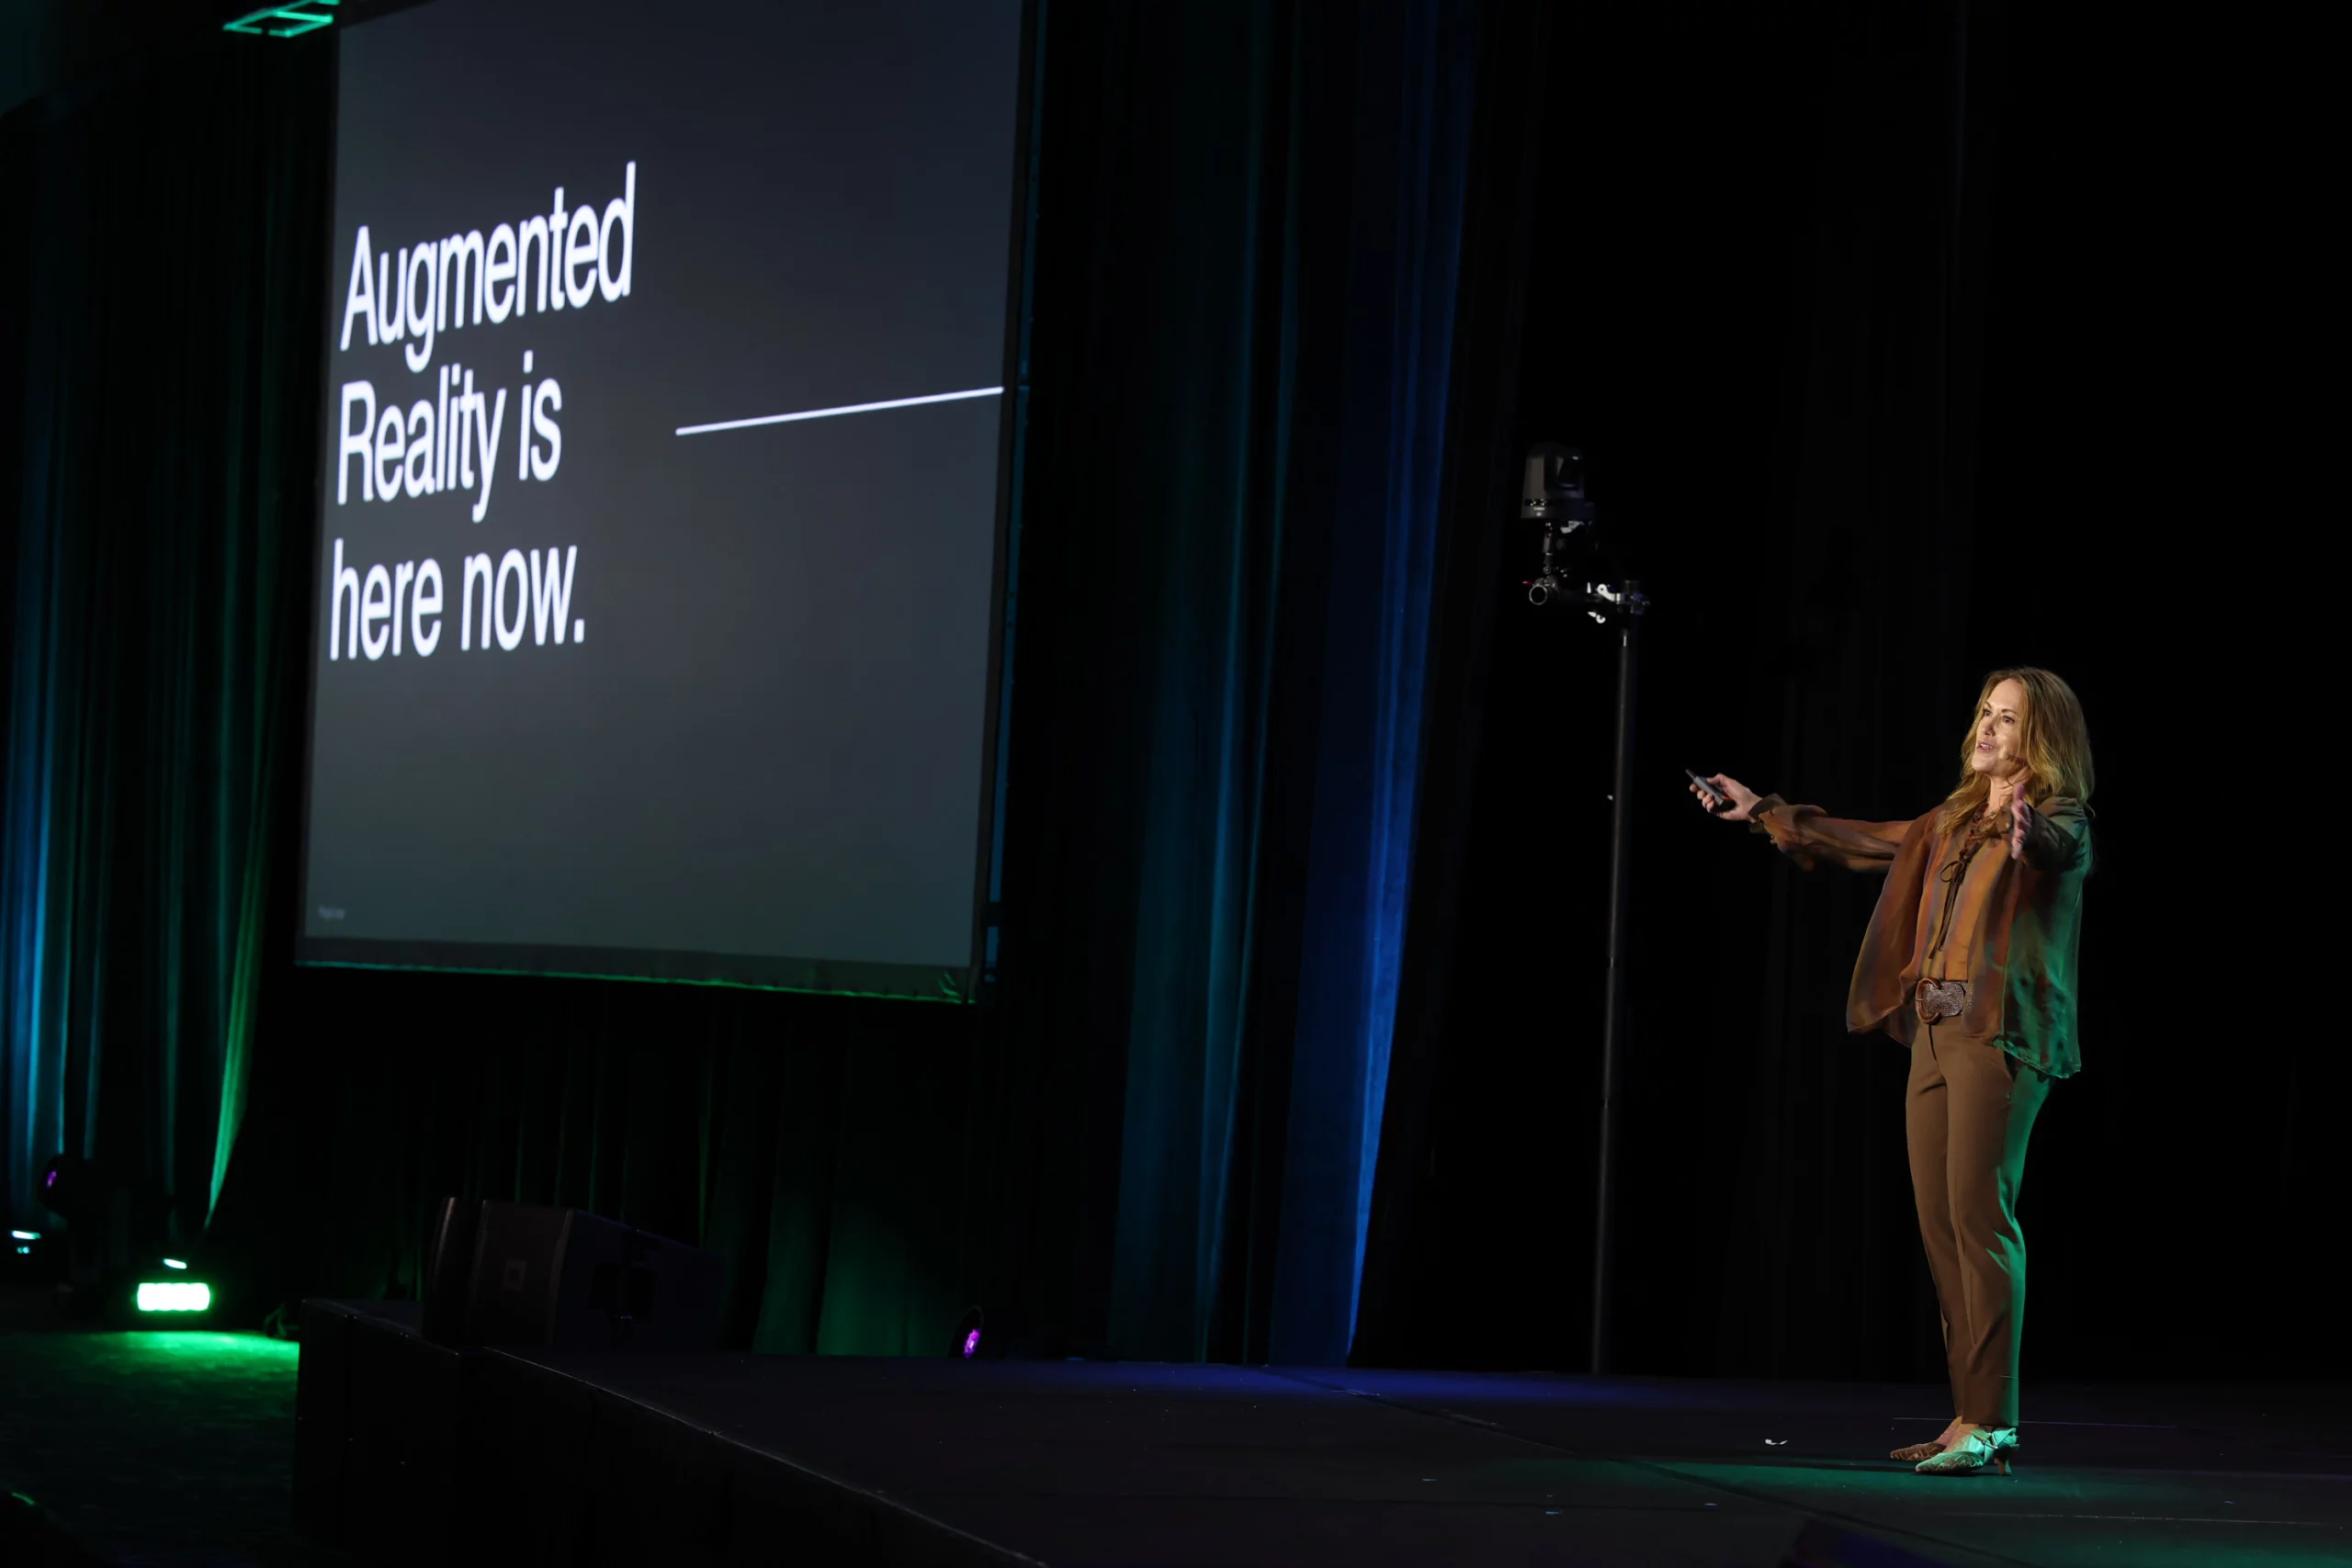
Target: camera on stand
[1552,496]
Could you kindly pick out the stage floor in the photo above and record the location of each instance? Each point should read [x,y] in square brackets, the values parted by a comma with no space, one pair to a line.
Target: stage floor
[157,1449]
[1149,1464]
[1137,1464]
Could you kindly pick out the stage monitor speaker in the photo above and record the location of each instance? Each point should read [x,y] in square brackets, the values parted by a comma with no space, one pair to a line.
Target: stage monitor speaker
[1823,1545]
[570,1279]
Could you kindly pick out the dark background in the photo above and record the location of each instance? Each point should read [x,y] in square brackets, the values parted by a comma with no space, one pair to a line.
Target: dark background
[1903,345]
[769,746]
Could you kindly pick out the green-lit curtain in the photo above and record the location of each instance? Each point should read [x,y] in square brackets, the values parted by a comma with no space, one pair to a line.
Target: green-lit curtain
[163,228]
[1242,407]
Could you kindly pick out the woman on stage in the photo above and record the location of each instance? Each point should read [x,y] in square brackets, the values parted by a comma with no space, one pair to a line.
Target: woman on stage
[1969,962]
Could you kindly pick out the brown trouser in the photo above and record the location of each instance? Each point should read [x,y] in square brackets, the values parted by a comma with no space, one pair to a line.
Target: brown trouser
[1968,1112]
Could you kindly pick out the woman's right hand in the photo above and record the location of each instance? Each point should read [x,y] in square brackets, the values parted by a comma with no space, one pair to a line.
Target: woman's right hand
[1742,800]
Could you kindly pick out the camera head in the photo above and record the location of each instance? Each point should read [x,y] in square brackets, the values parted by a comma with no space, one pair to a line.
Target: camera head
[1552,490]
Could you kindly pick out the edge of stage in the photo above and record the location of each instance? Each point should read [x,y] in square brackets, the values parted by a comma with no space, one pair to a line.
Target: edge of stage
[409,1451]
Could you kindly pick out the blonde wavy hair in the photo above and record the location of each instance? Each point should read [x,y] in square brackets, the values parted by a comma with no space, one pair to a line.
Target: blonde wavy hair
[2055,743]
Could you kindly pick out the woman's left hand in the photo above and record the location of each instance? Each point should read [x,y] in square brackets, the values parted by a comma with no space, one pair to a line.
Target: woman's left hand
[2021,819]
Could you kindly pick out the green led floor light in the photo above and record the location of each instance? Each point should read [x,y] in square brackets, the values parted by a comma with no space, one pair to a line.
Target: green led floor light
[175,1295]
[285,21]
[24,1236]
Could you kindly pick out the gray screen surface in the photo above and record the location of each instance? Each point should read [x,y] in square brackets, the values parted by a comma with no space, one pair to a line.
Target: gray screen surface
[708,704]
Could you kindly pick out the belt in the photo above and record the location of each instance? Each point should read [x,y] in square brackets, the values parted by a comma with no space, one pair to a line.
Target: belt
[1941,998]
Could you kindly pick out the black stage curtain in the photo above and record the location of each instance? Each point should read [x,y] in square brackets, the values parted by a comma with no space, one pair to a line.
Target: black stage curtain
[1884,334]
[1899,339]
[160,285]
[1244,423]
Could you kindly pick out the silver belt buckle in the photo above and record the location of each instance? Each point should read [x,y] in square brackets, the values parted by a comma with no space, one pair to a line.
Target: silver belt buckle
[1943,998]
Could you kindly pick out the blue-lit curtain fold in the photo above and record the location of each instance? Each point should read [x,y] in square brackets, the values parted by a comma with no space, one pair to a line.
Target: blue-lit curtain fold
[1227,585]
[154,508]
[1413,126]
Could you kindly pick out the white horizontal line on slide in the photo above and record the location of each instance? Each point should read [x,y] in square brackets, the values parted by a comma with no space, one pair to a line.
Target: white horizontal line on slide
[846,407]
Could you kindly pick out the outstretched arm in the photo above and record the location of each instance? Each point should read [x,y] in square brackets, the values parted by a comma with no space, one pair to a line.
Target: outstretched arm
[1804,834]
[1808,837]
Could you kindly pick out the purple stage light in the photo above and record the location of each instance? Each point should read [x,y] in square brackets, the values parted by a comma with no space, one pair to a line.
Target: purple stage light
[971,1344]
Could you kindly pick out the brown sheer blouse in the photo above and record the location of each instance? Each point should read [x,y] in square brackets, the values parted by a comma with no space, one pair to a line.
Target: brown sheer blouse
[2014,931]
[1952,899]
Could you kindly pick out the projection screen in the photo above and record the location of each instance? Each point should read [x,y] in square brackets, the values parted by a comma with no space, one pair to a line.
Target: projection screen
[662,486]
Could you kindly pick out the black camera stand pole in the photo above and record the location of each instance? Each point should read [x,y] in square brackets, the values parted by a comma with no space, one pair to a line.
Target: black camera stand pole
[1625,610]
[1555,497]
